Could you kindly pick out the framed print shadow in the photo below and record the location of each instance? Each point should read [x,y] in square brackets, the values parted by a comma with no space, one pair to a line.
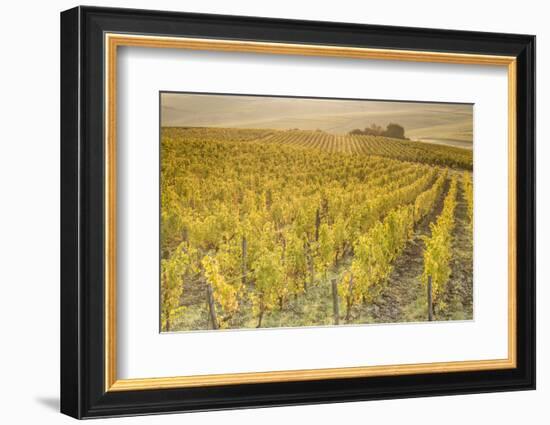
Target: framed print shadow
[262,212]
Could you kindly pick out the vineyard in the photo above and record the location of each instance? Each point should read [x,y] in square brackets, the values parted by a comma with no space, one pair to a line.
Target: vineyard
[265,228]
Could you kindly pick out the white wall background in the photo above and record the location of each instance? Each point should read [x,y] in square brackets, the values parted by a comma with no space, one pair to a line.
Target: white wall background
[29,213]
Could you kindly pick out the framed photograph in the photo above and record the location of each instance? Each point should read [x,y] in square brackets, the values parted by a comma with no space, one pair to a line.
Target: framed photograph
[261,212]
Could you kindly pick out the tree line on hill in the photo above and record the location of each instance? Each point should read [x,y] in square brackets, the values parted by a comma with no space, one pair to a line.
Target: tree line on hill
[393,130]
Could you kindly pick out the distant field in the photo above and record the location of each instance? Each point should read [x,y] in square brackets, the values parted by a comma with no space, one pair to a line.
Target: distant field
[421,120]
[449,142]
[283,228]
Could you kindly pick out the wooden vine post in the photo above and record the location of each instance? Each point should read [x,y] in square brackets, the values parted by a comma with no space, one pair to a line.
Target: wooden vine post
[244,249]
[430,301]
[211,307]
[335,304]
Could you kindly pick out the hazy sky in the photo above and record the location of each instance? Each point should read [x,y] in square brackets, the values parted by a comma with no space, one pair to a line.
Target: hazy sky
[437,121]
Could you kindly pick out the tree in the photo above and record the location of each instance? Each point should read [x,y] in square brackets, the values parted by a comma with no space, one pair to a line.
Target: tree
[395,131]
[392,130]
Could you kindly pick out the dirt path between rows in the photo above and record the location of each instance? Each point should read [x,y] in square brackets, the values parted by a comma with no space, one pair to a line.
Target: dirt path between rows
[459,294]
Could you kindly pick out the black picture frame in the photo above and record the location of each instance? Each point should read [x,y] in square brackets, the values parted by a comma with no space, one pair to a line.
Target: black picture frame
[83,392]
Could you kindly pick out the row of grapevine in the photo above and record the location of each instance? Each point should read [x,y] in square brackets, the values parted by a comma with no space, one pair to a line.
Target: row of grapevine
[425,202]
[467,185]
[374,254]
[173,270]
[438,247]
[376,250]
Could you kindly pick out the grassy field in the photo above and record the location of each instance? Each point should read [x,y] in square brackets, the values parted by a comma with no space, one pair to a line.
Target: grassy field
[422,120]
[283,228]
